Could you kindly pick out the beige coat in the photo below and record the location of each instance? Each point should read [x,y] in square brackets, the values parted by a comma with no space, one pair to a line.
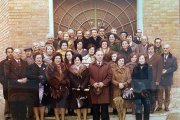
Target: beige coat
[120,75]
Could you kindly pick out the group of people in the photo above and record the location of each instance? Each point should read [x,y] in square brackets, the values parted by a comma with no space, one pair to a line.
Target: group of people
[87,70]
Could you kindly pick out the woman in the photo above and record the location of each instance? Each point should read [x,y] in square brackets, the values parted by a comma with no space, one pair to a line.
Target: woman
[79,80]
[141,82]
[125,50]
[63,47]
[89,58]
[38,86]
[57,78]
[49,50]
[114,57]
[79,48]
[120,80]
[132,44]
[113,44]
[66,37]
[106,50]
[68,58]
[133,62]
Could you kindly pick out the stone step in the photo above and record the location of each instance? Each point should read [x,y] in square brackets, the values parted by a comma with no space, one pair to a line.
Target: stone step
[115,117]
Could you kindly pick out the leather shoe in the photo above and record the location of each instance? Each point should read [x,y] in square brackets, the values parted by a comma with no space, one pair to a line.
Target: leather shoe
[166,109]
[158,109]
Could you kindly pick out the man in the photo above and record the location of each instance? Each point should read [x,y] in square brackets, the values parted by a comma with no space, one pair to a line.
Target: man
[57,41]
[49,39]
[86,37]
[170,66]
[100,78]
[4,82]
[15,73]
[143,46]
[101,33]
[137,37]
[72,35]
[29,56]
[123,35]
[158,46]
[155,61]
[35,47]
[95,39]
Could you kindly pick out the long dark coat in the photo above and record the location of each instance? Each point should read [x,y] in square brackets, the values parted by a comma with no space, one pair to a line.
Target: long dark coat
[102,74]
[171,66]
[3,81]
[157,65]
[143,76]
[13,71]
[79,79]
[33,74]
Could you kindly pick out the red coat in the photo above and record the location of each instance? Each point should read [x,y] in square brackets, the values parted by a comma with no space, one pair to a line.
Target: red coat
[102,74]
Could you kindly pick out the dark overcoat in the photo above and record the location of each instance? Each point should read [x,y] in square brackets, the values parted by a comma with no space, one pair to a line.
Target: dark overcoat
[171,66]
[14,71]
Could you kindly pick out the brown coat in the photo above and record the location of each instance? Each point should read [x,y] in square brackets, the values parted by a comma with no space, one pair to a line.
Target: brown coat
[157,65]
[13,71]
[102,74]
[120,75]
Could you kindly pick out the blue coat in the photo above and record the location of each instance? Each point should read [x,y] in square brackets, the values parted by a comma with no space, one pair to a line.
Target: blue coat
[171,66]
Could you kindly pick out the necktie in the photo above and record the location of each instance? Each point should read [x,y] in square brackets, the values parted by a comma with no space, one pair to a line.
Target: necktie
[165,58]
[19,63]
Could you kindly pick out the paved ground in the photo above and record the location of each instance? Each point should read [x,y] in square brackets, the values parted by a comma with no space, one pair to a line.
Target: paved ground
[173,114]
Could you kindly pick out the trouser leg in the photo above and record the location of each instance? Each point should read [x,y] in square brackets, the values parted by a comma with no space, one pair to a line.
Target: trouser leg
[147,104]
[96,111]
[104,112]
[160,96]
[167,96]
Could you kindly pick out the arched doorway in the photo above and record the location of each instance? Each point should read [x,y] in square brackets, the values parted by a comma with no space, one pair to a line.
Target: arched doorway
[86,14]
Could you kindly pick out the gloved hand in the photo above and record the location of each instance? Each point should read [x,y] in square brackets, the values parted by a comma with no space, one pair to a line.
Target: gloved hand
[144,93]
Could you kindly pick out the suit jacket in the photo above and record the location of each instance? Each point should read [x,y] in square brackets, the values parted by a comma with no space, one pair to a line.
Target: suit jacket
[171,66]
[96,42]
[102,74]
[14,71]
[142,49]
[157,65]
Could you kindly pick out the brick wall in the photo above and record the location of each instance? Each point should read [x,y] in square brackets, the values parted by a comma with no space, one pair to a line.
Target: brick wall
[4,27]
[162,19]
[27,22]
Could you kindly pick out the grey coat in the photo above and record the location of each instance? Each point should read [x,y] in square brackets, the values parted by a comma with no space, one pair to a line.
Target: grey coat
[171,66]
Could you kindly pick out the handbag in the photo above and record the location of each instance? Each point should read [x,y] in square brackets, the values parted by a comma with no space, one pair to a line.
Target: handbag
[128,94]
[97,91]
[81,101]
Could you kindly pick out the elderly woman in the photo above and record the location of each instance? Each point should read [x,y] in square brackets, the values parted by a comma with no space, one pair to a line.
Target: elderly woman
[57,78]
[48,54]
[79,48]
[120,79]
[38,86]
[79,81]
[141,83]
[113,43]
[63,47]
[89,58]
